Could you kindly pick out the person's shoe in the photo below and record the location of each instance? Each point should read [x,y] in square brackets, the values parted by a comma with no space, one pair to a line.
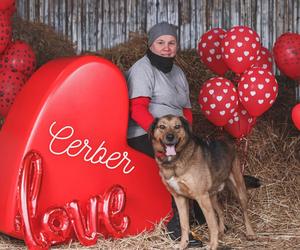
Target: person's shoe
[251,181]
[193,242]
[174,231]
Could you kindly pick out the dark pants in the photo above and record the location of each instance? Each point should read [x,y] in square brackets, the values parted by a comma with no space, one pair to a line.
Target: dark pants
[142,144]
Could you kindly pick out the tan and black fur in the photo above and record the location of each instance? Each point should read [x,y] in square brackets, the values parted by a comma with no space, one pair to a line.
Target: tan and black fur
[194,169]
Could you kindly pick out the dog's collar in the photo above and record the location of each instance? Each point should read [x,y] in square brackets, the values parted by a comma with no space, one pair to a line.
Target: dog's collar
[162,157]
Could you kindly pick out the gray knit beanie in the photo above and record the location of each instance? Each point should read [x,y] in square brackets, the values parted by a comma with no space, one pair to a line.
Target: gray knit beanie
[161,29]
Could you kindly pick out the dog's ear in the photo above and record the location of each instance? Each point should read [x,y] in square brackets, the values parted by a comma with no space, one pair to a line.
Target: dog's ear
[152,127]
[186,125]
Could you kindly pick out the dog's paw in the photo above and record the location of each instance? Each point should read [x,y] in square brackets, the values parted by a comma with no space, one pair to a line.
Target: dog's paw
[251,236]
[182,245]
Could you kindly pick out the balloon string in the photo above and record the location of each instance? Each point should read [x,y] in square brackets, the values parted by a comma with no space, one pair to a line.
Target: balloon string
[243,152]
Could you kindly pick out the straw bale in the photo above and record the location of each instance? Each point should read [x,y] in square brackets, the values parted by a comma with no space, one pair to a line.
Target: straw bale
[44,40]
[271,152]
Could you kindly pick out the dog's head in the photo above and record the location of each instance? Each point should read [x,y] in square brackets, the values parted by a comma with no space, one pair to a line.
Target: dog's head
[169,134]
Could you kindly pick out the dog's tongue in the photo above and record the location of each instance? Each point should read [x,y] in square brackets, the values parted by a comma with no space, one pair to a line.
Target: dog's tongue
[170,150]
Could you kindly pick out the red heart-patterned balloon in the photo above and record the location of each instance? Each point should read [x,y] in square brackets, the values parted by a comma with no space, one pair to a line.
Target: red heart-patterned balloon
[10,85]
[5,31]
[287,54]
[241,124]
[296,116]
[264,59]
[19,56]
[218,100]
[73,112]
[257,90]
[240,47]
[209,50]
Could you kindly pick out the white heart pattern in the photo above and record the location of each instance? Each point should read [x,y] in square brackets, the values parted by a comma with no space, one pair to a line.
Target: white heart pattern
[260,86]
[212,51]
[219,98]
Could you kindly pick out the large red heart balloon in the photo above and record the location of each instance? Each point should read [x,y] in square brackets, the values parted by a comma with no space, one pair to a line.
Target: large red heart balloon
[240,48]
[287,54]
[241,124]
[258,89]
[209,50]
[296,116]
[218,100]
[74,113]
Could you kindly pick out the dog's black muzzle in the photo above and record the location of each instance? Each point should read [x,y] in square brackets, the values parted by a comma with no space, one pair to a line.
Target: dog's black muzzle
[170,139]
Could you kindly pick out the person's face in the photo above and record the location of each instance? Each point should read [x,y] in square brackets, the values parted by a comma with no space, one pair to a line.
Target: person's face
[165,46]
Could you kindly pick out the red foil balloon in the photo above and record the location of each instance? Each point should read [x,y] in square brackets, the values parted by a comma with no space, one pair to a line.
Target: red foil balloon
[56,226]
[10,85]
[257,90]
[241,124]
[286,52]
[20,57]
[209,50]
[57,223]
[296,116]
[86,231]
[29,187]
[218,100]
[5,31]
[264,59]
[240,47]
[113,206]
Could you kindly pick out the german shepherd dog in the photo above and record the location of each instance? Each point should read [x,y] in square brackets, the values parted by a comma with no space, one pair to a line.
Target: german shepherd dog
[194,169]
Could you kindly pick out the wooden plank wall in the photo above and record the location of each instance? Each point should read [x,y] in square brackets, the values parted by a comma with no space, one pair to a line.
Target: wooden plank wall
[96,24]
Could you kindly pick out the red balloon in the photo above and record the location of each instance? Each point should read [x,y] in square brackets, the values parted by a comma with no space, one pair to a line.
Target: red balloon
[240,48]
[264,59]
[257,90]
[10,85]
[287,54]
[7,4]
[5,31]
[209,50]
[57,114]
[218,100]
[20,57]
[241,124]
[296,116]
